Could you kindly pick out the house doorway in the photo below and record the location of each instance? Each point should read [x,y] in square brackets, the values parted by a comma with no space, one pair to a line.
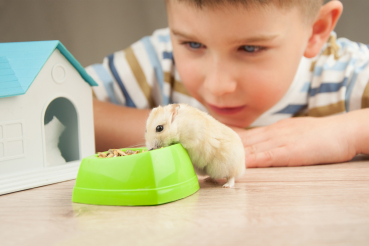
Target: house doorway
[61,132]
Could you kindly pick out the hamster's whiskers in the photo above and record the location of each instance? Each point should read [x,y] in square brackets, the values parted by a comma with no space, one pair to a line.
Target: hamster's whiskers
[136,145]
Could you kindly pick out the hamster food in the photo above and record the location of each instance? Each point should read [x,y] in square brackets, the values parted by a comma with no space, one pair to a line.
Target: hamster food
[117,152]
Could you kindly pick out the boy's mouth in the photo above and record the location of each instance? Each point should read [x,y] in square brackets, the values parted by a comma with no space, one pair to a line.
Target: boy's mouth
[226,110]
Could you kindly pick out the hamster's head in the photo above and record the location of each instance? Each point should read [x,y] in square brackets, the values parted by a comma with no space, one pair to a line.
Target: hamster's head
[162,127]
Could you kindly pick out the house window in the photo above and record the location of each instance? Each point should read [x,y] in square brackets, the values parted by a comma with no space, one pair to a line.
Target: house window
[11,140]
[59,73]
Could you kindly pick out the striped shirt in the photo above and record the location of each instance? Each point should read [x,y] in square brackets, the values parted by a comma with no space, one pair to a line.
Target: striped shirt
[144,76]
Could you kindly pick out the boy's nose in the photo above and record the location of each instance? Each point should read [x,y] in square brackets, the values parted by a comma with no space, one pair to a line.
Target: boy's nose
[220,80]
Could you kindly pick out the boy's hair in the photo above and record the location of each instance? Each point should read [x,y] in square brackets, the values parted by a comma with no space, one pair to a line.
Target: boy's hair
[309,8]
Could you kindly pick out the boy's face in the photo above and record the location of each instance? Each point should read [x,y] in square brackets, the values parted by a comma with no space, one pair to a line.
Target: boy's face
[238,62]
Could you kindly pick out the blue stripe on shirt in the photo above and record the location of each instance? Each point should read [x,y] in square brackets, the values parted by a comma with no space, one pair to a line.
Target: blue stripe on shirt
[107,80]
[291,109]
[318,71]
[349,91]
[129,101]
[338,66]
[327,87]
[305,87]
[164,38]
[344,43]
[351,84]
[167,55]
[156,65]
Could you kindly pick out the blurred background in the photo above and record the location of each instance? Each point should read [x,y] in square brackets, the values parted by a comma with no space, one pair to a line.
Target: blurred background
[92,29]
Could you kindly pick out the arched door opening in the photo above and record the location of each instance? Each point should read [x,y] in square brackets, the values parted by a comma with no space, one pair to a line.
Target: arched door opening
[61,132]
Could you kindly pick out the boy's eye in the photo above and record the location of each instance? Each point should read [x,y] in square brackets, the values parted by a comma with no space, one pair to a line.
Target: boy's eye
[251,49]
[194,45]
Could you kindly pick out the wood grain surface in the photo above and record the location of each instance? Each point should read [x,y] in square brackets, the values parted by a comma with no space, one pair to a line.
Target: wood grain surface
[313,205]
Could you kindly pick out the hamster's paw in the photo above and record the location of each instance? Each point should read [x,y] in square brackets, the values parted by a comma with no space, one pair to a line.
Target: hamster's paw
[229,184]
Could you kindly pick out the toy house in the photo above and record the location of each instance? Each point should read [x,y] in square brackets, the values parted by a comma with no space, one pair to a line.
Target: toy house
[46,115]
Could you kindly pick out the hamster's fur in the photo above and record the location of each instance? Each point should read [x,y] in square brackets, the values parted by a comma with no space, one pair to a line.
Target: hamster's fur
[214,149]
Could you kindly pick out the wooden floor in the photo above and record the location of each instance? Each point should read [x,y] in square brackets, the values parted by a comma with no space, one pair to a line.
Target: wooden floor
[315,205]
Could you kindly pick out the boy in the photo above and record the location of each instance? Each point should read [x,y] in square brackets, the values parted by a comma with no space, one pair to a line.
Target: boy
[249,63]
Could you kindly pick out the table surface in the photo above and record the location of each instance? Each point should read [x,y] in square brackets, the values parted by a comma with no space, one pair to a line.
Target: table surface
[312,205]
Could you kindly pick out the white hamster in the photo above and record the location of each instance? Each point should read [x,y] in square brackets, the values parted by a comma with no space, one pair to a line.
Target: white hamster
[214,149]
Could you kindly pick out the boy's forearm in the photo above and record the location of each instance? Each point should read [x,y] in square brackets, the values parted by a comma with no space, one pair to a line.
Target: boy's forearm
[360,122]
[307,140]
[118,126]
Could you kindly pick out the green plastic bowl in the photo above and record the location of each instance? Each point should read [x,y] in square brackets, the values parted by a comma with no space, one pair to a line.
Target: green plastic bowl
[150,178]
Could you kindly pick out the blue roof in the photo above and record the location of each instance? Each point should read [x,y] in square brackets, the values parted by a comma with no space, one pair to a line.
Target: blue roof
[20,63]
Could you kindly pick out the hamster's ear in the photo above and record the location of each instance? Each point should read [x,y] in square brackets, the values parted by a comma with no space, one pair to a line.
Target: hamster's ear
[173,112]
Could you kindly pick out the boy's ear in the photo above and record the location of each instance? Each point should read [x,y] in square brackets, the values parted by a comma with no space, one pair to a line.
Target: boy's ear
[173,112]
[323,25]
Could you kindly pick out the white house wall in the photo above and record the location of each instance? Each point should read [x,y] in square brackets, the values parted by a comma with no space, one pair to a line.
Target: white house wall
[29,110]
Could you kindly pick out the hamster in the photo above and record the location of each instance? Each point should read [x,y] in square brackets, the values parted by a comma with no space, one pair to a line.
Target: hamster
[214,149]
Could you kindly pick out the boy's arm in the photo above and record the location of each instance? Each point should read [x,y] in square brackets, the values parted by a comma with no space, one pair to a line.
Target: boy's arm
[133,77]
[307,140]
[118,126]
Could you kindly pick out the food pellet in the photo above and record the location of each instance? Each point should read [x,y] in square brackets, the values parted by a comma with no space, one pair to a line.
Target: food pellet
[117,152]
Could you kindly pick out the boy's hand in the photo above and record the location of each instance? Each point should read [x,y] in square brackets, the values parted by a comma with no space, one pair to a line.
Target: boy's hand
[307,140]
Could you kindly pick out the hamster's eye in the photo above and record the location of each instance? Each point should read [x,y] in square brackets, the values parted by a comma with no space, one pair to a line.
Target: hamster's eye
[159,128]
